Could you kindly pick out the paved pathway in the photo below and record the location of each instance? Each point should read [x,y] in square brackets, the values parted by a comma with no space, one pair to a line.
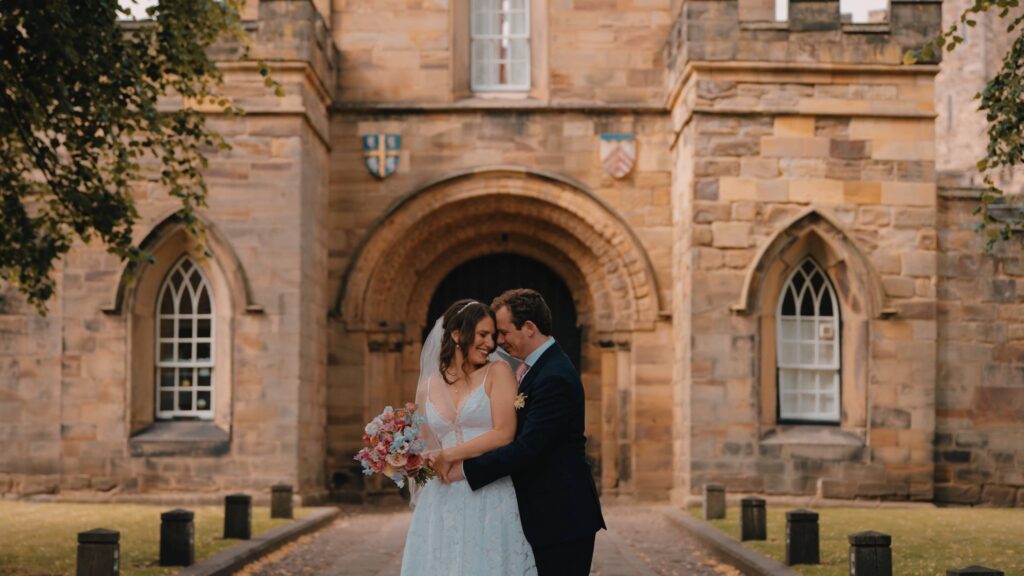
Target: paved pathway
[640,541]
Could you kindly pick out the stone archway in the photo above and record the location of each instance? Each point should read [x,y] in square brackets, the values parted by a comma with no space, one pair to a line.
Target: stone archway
[387,289]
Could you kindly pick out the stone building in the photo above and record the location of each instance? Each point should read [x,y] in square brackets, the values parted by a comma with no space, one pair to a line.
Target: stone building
[737,220]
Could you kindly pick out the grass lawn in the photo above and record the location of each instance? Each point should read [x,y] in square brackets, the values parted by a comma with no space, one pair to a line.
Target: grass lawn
[925,541]
[41,539]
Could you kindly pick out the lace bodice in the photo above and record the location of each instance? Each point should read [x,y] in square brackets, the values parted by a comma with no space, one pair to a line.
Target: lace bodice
[471,420]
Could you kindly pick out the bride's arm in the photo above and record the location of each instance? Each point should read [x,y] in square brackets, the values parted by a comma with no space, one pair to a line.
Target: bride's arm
[503,414]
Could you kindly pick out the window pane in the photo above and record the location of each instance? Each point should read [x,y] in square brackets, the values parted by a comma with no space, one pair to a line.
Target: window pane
[806,354]
[185,400]
[184,328]
[177,279]
[203,351]
[204,302]
[826,304]
[521,50]
[185,378]
[828,404]
[167,303]
[203,401]
[519,23]
[184,351]
[204,377]
[167,377]
[788,329]
[787,380]
[825,353]
[185,307]
[195,279]
[807,329]
[166,401]
[166,328]
[789,353]
[807,305]
[203,328]
[789,304]
[166,351]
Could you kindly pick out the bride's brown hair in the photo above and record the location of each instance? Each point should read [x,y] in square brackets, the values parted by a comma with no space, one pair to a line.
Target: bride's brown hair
[462,316]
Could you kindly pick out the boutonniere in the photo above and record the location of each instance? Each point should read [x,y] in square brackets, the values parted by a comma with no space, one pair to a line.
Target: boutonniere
[520,401]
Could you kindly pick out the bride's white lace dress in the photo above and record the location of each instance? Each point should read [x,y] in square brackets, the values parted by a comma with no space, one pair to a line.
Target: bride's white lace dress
[458,532]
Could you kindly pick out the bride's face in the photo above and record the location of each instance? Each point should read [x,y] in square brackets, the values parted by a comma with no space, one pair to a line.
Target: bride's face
[483,343]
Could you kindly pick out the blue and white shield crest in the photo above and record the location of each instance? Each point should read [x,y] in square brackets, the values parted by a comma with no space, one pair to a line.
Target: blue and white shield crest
[380,153]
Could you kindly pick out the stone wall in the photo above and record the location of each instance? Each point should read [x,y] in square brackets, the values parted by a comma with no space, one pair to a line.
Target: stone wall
[979,448]
[584,51]
[804,138]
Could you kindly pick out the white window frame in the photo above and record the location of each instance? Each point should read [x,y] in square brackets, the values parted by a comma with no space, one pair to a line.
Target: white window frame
[820,375]
[194,364]
[504,37]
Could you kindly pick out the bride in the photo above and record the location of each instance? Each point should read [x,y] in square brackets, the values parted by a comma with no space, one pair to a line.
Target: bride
[469,407]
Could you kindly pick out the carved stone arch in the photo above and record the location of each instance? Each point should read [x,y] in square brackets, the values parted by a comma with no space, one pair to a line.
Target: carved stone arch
[815,232]
[217,249]
[489,205]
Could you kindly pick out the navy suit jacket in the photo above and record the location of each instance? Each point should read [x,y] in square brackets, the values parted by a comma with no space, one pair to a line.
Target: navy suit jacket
[554,485]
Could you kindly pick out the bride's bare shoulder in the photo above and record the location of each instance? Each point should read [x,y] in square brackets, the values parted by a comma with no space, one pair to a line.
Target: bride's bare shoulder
[501,368]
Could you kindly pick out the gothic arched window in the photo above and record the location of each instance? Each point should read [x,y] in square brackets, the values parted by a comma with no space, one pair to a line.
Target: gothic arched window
[500,45]
[184,344]
[807,347]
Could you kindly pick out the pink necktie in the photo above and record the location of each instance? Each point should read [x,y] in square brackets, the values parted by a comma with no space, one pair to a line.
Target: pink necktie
[521,371]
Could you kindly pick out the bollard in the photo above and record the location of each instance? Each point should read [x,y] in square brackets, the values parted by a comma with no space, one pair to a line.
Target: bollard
[99,553]
[714,501]
[870,554]
[281,501]
[974,571]
[177,538]
[753,521]
[802,543]
[238,516]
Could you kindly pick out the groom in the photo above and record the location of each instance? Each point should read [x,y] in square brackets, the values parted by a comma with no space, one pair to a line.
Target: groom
[558,502]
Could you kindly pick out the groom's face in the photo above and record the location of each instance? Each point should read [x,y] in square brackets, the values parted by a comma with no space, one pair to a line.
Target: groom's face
[512,339]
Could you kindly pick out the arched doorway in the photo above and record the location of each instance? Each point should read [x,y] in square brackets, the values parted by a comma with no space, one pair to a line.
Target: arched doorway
[488,276]
[474,235]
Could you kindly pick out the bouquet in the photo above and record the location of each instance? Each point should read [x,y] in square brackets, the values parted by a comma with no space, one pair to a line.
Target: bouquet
[394,448]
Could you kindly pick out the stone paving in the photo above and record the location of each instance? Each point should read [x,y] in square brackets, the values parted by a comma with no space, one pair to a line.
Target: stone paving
[640,541]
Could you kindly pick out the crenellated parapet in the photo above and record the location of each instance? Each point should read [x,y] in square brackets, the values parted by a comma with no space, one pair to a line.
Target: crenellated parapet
[745,31]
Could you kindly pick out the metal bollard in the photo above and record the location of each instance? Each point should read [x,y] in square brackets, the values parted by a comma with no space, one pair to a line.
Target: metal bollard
[870,554]
[99,553]
[281,501]
[974,571]
[802,538]
[753,519]
[238,516]
[177,538]
[714,501]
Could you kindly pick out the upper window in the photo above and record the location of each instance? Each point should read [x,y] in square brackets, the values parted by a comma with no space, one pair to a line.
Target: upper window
[808,347]
[500,45]
[184,341]
[136,8]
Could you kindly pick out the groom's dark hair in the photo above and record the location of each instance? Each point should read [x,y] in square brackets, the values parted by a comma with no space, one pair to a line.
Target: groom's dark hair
[525,304]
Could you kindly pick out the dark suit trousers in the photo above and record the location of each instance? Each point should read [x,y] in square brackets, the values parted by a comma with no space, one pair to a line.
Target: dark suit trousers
[568,559]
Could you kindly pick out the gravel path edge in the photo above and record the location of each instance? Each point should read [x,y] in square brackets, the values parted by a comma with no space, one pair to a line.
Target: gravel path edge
[233,559]
[749,561]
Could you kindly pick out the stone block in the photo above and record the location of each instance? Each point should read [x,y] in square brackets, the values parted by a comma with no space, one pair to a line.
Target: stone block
[1001,496]
[957,494]
[754,167]
[909,194]
[793,147]
[816,191]
[862,192]
[794,126]
[837,488]
[850,149]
